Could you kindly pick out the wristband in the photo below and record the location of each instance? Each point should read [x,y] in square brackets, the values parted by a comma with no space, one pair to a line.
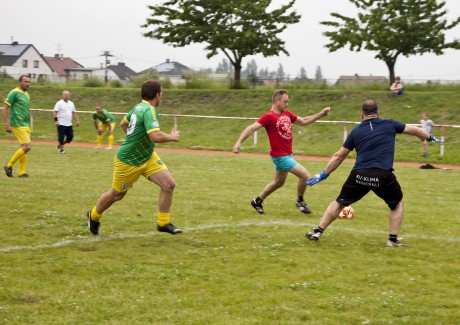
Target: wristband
[55,119]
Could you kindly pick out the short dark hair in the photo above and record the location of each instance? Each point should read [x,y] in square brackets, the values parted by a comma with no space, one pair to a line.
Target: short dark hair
[278,94]
[369,108]
[24,76]
[150,89]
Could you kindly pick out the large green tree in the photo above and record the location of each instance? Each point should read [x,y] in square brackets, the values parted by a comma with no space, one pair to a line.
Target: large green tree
[237,28]
[393,28]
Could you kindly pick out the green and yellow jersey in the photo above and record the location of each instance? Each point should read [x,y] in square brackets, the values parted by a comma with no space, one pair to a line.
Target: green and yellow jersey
[137,147]
[105,117]
[19,102]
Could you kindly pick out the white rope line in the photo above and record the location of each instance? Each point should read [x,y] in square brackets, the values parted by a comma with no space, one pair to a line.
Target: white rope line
[103,238]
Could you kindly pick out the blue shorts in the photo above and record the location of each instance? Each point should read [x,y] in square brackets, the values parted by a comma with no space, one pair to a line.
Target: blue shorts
[283,163]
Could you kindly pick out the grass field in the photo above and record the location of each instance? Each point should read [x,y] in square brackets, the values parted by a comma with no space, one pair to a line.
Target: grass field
[231,265]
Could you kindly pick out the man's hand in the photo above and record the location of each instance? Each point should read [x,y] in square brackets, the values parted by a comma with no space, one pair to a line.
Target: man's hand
[8,128]
[317,178]
[326,111]
[434,139]
[236,148]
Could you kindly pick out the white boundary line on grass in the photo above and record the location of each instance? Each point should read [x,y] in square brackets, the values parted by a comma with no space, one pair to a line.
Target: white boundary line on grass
[102,238]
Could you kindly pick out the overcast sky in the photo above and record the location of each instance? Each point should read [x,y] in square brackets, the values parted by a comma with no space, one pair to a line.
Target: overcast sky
[84,29]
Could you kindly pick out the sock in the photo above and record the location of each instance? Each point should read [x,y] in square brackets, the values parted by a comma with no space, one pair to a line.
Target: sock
[110,137]
[300,199]
[99,140]
[95,216]
[22,164]
[318,229]
[258,200]
[163,218]
[393,238]
[17,155]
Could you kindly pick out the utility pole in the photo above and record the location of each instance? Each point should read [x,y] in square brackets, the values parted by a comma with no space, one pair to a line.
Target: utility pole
[106,54]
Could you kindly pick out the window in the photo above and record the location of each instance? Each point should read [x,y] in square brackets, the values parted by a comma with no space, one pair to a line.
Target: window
[35,63]
[24,63]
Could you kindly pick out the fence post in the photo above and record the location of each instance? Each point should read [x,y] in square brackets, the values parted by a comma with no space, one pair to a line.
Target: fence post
[175,122]
[345,131]
[255,138]
[441,152]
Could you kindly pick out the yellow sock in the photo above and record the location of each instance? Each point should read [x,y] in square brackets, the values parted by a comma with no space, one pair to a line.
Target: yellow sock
[99,140]
[22,164]
[17,155]
[110,137]
[163,218]
[95,215]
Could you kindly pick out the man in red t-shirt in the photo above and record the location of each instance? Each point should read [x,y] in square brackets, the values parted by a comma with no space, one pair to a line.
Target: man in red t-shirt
[278,124]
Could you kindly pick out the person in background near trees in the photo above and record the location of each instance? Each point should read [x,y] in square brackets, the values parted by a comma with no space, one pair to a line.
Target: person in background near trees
[427,125]
[397,87]
[136,157]
[374,141]
[16,115]
[103,121]
[63,112]
[278,124]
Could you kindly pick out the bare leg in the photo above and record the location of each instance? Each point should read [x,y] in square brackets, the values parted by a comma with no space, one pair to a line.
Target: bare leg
[331,213]
[107,199]
[303,175]
[280,179]
[167,184]
[396,217]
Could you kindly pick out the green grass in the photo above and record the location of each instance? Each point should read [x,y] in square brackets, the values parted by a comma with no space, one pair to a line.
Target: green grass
[230,266]
[219,134]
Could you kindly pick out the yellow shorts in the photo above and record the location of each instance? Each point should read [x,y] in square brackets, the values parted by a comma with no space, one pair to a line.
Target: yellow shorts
[22,133]
[124,176]
[105,127]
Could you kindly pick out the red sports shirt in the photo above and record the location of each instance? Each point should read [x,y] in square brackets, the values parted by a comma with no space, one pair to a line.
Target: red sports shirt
[279,131]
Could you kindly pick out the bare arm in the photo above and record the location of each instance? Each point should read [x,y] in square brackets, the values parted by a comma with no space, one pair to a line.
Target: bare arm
[124,125]
[6,118]
[336,160]
[76,118]
[245,134]
[160,136]
[416,131]
[312,118]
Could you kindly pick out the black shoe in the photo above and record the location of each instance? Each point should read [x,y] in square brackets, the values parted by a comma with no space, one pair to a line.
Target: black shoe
[24,175]
[93,225]
[303,207]
[169,228]
[258,206]
[8,171]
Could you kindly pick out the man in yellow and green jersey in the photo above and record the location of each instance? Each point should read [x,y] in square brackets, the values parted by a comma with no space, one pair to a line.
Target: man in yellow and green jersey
[103,121]
[16,115]
[136,157]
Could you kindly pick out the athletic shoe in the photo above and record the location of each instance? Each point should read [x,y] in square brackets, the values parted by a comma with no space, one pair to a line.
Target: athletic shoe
[24,175]
[61,152]
[170,228]
[108,148]
[303,207]
[58,150]
[8,171]
[396,243]
[259,207]
[98,147]
[93,225]
[312,235]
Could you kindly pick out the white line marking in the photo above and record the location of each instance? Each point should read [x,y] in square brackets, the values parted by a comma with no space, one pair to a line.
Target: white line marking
[102,238]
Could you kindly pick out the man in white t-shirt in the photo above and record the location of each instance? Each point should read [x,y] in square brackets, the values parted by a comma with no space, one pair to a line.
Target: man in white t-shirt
[63,112]
[427,125]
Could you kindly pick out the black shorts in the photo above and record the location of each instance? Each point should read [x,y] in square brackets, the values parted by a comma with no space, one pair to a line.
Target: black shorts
[382,182]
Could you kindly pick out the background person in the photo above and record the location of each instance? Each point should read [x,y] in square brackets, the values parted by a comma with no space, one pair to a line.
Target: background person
[63,112]
[427,125]
[16,115]
[103,121]
[397,87]
[374,141]
[136,157]
[278,124]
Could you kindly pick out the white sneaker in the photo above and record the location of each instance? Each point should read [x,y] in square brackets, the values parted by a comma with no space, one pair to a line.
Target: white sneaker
[397,243]
[312,235]
[108,148]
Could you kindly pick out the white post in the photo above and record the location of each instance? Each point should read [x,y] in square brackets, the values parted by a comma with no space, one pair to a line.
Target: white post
[255,138]
[345,132]
[441,153]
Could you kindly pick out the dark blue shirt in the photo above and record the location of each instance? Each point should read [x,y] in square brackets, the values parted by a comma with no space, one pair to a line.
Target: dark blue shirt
[374,141]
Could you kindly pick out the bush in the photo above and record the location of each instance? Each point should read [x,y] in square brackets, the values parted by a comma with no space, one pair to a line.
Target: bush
[93,82]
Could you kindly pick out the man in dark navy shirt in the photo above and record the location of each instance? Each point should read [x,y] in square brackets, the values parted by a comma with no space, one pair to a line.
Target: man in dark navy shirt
[374,141]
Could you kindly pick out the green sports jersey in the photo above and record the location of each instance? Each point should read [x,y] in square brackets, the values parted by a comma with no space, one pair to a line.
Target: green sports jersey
[137,147]
[19,102]
[104,117]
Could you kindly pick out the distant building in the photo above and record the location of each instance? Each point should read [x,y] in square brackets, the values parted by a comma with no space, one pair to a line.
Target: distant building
[174,71]
[66,69]
[360,80]
[19,59]
[118,72]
